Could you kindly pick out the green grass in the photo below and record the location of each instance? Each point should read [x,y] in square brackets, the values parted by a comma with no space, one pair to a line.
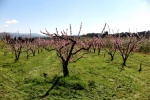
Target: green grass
[91,78]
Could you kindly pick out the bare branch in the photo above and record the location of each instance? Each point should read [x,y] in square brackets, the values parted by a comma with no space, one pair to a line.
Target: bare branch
[80,29]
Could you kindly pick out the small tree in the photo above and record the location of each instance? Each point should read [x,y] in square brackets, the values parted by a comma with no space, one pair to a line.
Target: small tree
[15,45]
[94,45]
[33,48]
[29,45]
[39,44]
[97,44]
[110,46]
[127,44]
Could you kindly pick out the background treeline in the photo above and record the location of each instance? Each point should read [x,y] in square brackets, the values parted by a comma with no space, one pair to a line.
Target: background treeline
[145,47]
[123,34]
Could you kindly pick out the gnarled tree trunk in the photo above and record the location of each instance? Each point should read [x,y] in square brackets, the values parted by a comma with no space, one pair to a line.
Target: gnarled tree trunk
[65,69]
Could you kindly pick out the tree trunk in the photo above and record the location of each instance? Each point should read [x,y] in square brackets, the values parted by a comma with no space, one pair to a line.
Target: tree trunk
[65,70]
[41,50]
[94,50]
[16,58]
[33,52]
[99,51]
[27,55]
[104,54]
[124,62]
[112,57]
[38,51]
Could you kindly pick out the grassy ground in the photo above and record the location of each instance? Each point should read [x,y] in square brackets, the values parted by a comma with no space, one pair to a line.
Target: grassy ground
[91,78]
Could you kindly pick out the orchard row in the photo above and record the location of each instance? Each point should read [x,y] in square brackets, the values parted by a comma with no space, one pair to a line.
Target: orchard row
[72,48]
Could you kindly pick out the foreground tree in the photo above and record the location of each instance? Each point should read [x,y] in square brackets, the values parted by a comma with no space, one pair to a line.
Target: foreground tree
[68,48]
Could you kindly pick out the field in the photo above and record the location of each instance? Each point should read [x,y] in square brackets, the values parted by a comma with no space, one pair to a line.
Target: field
[91,78]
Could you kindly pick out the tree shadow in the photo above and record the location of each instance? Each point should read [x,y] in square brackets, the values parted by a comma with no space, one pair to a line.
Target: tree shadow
[55,81]
[122,68]
[7,64]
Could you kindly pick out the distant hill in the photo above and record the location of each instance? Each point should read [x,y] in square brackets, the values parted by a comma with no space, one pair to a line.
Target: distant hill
[33,35]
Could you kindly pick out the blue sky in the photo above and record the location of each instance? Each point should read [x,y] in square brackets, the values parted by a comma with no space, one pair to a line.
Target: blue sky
[22,15]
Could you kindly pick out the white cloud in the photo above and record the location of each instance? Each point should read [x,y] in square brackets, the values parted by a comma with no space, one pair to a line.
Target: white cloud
[11,21]
[8,23]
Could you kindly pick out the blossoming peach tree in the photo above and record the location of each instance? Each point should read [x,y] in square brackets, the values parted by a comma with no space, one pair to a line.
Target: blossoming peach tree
[68,48]
[128,44]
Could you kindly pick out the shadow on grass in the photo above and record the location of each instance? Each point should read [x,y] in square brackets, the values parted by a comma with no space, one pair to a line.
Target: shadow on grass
[70,83]
[7,64]
[55,82]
